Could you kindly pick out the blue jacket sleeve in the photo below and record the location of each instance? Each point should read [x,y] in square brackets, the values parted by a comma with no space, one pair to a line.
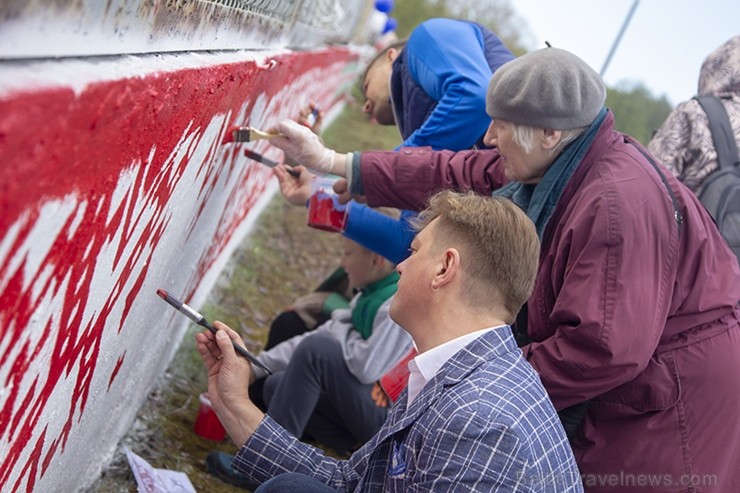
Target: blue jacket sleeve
[382,234]
[447,58]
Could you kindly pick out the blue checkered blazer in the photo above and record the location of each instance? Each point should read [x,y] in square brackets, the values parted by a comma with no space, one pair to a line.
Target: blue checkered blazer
[483,423]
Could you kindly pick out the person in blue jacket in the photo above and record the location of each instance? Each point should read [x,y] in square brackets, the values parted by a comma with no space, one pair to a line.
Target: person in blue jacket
[433,87]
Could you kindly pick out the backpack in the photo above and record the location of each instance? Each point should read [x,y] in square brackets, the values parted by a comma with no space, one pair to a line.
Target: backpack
[721,192]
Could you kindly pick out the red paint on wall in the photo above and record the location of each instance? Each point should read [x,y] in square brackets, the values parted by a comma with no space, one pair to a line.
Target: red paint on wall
[56,144]
[119,364]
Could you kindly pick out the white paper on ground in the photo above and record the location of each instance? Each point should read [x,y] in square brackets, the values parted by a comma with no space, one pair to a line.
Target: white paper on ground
[151,480]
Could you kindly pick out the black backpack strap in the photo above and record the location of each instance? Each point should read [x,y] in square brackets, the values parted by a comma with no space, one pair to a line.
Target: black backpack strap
[722,134]
[676,207]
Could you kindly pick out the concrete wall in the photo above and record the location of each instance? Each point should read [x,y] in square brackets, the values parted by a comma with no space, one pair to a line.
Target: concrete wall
[114,182]
[54,28]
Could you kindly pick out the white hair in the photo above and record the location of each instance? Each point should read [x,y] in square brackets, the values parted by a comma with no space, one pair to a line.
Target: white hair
[524,136]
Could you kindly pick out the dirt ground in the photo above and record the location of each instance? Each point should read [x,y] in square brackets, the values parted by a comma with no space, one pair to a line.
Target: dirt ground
[280,260]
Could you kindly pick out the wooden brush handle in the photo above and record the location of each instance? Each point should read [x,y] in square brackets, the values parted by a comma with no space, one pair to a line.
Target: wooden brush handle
[256,134]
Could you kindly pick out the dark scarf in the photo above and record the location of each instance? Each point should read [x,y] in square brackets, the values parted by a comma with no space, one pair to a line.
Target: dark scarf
[367,305]
[539,200]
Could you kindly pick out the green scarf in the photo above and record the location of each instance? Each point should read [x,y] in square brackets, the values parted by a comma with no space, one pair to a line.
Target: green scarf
[373,295]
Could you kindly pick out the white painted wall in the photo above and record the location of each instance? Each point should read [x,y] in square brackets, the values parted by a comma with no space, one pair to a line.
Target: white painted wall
[114,183]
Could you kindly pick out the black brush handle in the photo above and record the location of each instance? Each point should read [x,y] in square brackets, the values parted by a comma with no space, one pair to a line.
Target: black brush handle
[268,162]
[240,350]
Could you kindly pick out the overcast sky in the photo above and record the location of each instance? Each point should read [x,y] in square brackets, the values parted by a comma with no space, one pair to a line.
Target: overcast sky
[663,46]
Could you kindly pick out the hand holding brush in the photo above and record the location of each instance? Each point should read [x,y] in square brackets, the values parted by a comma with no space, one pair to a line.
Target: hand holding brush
[201,320]
[268,162]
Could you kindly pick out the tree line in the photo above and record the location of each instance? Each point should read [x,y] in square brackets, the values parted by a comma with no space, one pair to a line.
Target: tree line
[637,111]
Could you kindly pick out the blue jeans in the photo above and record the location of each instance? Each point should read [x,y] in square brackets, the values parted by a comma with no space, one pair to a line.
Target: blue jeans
[318,395]
[293,482]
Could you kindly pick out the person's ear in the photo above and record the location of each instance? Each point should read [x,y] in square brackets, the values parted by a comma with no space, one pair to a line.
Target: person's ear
[391,54]
[550,138]
[447,269]
[377,262]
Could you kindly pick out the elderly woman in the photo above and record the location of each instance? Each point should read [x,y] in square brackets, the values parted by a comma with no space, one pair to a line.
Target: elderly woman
[634,318]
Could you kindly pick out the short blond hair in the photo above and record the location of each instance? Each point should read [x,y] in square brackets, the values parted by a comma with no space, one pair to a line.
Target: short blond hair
[498,245]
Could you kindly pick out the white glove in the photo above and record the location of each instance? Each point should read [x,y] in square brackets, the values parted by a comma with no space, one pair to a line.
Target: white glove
[304,147]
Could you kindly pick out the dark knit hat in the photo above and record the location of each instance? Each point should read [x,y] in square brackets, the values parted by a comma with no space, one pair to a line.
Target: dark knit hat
[548,88]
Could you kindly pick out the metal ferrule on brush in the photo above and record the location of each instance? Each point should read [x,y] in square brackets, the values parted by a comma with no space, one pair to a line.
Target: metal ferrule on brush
[241,134]
[191,314]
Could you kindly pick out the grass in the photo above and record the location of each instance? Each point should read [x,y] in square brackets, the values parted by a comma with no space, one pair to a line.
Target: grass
[352,131]
[280,260]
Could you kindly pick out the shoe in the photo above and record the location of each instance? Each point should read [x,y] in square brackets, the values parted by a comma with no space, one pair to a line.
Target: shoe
[219,464]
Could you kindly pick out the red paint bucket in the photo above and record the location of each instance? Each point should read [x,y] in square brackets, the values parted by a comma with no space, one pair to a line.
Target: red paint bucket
[324,210]
[207,424]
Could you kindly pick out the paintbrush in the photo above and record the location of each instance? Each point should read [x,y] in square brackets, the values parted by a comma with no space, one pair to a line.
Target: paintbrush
[268,162]
[246,134]
[201,320]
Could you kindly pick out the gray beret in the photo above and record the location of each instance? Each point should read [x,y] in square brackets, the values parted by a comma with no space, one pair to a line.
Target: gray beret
[548,88]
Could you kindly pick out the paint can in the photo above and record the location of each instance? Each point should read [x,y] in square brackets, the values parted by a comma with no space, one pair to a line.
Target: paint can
[324,210]
[207,424]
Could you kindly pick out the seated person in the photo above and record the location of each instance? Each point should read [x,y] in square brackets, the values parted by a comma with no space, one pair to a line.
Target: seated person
[311,310]
[474,417]
[305,314]
[323,379]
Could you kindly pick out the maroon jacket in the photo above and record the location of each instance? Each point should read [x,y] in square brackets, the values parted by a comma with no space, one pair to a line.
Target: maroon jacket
[631,310]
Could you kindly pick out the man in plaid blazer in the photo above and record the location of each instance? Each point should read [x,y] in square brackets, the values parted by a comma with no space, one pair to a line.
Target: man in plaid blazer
[474,416]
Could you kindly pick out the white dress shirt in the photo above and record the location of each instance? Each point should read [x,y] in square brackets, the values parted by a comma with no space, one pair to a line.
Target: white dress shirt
[425,365]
